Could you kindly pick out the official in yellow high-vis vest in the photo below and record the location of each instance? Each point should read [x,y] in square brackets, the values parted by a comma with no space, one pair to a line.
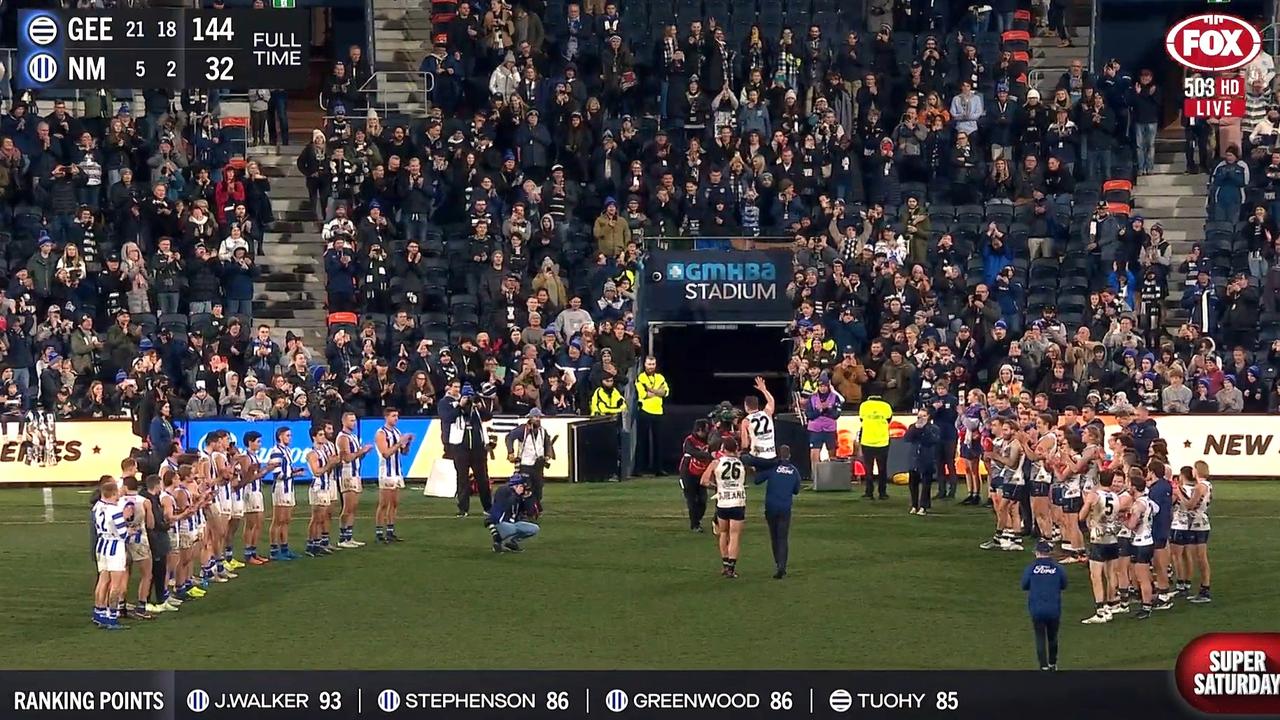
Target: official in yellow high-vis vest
[651,392]
[606,400]
[875,414]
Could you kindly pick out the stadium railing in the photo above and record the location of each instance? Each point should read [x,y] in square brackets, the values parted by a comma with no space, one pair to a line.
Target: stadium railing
[718,242]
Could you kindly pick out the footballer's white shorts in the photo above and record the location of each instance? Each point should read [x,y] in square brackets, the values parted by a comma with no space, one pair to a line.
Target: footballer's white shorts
[222,505]
[351,484]
[318,497]
[280,498]
[173,540]
[237,507]
[393,482]
[141,550]
[253,502]
[186,539]
[113,562]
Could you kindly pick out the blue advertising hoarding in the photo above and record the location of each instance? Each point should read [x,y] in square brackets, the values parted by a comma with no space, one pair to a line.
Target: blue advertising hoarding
[196,430]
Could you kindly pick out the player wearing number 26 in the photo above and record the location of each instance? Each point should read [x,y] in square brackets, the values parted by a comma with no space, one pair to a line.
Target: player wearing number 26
[730,478]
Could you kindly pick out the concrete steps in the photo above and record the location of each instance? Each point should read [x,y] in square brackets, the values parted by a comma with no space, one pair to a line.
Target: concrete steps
[1176,201]
[1051,61]
[402,37]
[289,295]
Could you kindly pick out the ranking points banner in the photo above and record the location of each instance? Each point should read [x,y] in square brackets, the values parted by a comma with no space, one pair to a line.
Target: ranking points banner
[705,695]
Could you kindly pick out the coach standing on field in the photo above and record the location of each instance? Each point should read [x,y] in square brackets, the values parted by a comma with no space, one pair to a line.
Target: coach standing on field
[462,426]
[782,483]
[876,414]
[1044,581]
[157,538]
[651,391]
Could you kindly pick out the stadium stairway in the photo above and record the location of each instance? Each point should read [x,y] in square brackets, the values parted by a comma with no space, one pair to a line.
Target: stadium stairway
[1048,61]
[1176,201]
[402,37]
[289,295]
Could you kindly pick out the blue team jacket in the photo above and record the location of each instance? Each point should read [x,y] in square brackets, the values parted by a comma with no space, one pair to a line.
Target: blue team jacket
[1044,580]
[783,483]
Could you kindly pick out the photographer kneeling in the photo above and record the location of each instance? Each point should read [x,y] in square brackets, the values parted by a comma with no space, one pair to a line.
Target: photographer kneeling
[511,504]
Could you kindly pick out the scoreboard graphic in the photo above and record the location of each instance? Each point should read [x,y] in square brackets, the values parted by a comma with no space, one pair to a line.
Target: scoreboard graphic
[169,48]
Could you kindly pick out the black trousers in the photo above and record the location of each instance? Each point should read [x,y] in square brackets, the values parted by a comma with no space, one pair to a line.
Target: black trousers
[779,533]
[536,478]
[920,484]
[879,458]
[465,462]
[648,458]
[947,475]
[1195,145]
[695,499]
[159,542]
[1046,630]
[1058,18]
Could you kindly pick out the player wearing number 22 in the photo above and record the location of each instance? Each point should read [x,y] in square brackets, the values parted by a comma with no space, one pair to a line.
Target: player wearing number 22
[730,479]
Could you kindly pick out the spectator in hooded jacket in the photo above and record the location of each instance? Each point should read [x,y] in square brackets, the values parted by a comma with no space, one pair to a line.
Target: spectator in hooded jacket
[1227,184]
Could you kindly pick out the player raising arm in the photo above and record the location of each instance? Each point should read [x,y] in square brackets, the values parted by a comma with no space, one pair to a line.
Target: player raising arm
[757,432]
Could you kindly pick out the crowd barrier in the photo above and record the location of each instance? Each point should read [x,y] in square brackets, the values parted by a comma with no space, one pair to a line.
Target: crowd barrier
[1235,446]
[89,449]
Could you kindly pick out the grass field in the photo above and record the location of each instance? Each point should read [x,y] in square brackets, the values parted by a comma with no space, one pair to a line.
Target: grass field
[616,581]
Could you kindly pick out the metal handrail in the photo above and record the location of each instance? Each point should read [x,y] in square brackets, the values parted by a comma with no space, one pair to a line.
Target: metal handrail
[425,82]
[370,34]
[668,242]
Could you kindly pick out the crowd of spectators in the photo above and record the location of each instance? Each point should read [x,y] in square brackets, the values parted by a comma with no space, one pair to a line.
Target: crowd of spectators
[947,220]
[115,226]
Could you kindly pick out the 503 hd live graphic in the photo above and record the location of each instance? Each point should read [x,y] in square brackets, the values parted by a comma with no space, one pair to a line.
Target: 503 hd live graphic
[1215,48]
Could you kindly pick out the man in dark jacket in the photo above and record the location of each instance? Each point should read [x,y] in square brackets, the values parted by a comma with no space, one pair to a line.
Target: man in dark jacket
[693,462]
[945,413]
[782,483]
[506,518]
[1147,107]
[1144,431]
[465,443]
[1044,582]
[340,283]
[204,281]
[926,439]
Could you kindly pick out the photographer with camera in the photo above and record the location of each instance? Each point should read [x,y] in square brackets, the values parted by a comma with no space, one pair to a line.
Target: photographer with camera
[530,447]
[466,443]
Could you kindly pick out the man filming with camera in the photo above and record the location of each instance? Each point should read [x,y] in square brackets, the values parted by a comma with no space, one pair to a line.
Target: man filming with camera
[530,448]
[465,443]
